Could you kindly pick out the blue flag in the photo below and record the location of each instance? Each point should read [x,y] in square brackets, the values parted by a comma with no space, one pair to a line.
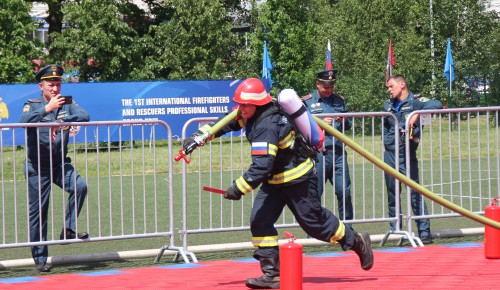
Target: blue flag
[449,67]
[266,68]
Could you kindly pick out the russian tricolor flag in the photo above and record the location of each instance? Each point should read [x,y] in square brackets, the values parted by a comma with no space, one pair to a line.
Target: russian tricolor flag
[259,148]
[329,65]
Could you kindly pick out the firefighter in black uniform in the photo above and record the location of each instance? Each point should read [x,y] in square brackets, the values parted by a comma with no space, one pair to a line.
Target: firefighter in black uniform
[287,177]
[47,162]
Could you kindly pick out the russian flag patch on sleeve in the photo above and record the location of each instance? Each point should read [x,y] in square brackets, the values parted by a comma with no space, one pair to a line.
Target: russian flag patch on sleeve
[259,148]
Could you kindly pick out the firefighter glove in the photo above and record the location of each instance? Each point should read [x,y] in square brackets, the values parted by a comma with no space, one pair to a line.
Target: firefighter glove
[189,144]
[232,193]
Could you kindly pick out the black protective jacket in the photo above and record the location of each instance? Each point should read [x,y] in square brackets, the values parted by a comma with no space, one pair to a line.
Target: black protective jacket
[276,158]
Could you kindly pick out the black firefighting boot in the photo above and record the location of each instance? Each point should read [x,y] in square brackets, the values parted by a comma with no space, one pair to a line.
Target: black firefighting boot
[271,279]
[362,247]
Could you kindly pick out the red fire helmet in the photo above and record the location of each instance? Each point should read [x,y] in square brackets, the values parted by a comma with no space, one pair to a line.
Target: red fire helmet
[252,91]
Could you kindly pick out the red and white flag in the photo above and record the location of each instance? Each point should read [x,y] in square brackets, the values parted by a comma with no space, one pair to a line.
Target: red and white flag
[391,61]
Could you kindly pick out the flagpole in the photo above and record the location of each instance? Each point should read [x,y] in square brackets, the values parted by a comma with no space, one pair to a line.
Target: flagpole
[433,77]
[450,75]
[449,95]
[450,104]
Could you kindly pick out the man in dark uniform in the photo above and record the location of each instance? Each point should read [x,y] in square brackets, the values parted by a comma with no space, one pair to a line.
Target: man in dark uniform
[47,162]
[287,176]
[401,104]
[332,163]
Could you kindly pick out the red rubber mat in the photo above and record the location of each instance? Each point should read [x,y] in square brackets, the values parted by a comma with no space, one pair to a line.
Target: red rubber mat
[453,266]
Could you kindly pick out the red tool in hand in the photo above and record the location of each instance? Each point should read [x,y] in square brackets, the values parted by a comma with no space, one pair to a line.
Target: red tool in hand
[214,190]
[182,155]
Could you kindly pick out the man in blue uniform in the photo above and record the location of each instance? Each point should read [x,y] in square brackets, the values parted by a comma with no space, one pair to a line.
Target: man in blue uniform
[332,163]
[286,176]
[47,162]
[401,104]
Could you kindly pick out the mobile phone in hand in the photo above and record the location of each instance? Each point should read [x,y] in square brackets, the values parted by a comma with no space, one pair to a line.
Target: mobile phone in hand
[68,99]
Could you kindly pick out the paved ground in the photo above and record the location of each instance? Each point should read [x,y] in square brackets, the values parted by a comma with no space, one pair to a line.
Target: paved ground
[446,266]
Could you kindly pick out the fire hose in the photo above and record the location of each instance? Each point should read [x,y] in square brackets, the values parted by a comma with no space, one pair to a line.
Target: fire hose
[409,182]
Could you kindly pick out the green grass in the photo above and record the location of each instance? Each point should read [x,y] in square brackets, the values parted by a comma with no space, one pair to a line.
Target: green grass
[483,135]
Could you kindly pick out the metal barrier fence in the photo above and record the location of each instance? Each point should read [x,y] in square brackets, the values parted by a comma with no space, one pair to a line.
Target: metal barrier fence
[459,159]
[131,188]
[229,156]
[128,176]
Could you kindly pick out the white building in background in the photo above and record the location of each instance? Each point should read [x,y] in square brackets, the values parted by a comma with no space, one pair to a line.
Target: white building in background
[495,5]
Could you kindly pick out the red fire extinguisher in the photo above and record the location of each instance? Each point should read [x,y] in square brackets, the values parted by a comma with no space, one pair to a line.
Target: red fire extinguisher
[492,235]
[290,264]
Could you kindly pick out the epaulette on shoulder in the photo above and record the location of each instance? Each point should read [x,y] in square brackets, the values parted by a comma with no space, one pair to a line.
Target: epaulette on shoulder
[34,101]
[340,96]
[306,97]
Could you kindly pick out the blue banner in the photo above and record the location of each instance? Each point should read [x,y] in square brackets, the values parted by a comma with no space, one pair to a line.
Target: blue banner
[174,102]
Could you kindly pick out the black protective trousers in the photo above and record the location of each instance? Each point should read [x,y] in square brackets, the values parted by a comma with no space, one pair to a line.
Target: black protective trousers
[304,202]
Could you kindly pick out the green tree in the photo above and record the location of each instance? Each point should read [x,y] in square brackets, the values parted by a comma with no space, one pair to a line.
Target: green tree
[96,42]
[360,34]
[195,43]
[217,39]
[492,96]
[470,29]
[488,66]
[359,31]
[16,51]
[296,40]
